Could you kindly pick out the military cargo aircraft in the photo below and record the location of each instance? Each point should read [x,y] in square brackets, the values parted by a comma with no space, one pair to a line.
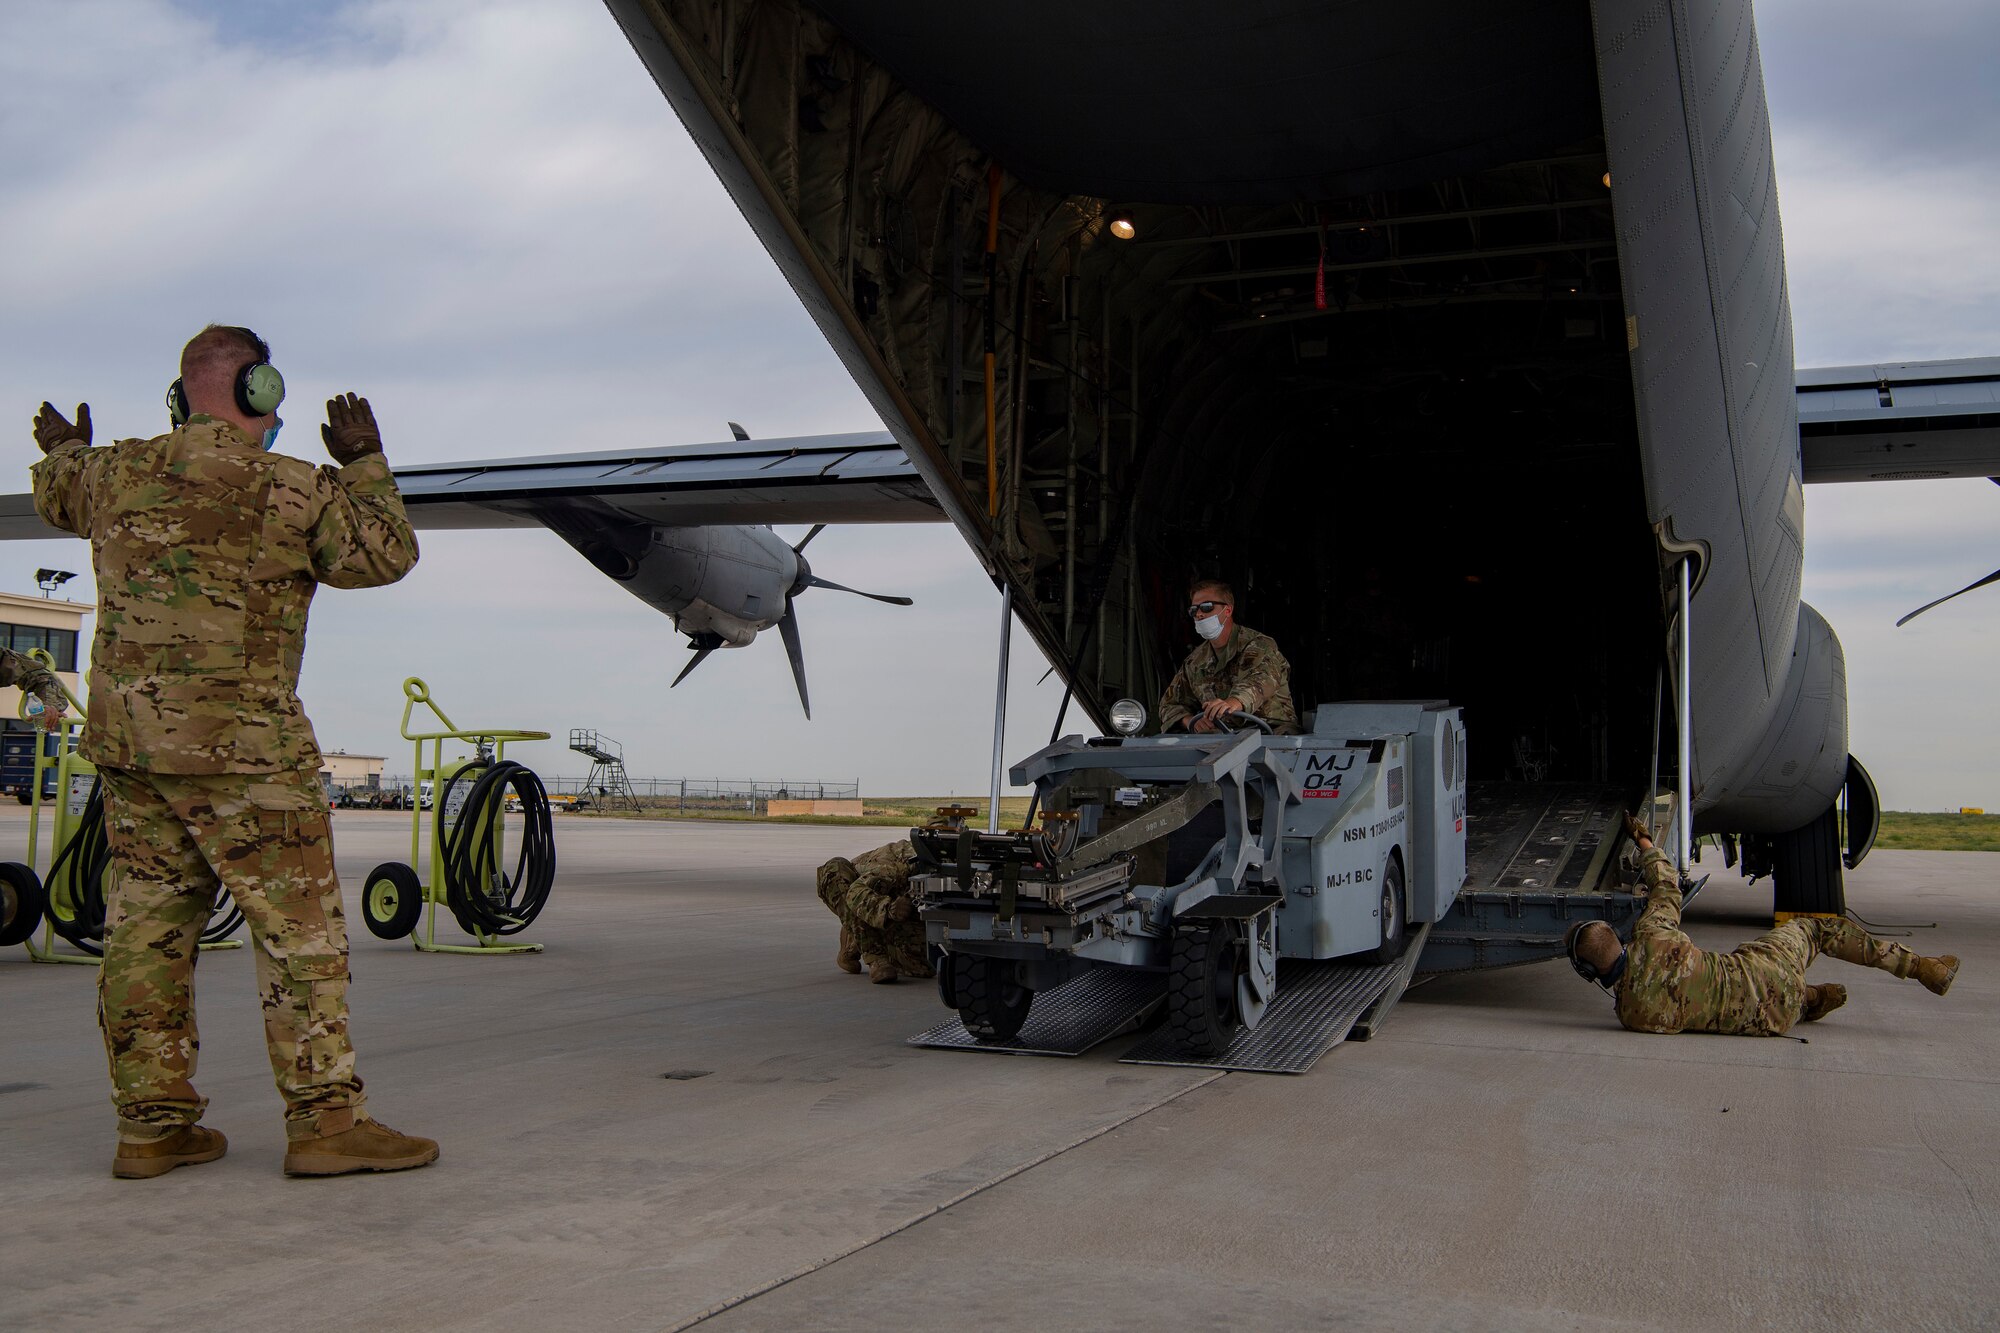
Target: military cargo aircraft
[1453,336]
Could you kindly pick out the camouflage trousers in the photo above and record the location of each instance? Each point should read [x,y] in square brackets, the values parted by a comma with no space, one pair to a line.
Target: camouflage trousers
[1791,948]
[856,899]
[268,840]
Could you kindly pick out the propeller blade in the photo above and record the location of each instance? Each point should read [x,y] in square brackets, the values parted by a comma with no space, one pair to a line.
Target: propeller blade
[700,655]
[1994,577]
[789,628]
[817,529]
[817,582]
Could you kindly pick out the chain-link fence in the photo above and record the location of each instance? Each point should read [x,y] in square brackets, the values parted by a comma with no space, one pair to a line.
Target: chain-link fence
[748,795]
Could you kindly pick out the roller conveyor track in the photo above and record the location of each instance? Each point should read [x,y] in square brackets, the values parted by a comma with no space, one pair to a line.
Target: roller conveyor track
[1553,837]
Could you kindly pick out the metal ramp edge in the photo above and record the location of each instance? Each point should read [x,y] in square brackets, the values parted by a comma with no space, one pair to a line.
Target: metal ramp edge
[1317,1006]
[1069,1019]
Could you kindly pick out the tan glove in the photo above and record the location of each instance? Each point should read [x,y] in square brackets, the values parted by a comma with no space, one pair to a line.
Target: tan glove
[902,910]
[1636,829]
[350,432]
[53,428]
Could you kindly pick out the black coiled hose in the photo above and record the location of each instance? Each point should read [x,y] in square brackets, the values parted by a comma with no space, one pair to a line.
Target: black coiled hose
[87,856]
[484,899]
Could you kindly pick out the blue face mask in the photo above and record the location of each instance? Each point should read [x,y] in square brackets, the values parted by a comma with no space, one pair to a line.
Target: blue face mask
[271,434]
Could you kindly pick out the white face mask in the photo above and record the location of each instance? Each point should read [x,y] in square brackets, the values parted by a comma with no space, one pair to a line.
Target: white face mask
[1209,627]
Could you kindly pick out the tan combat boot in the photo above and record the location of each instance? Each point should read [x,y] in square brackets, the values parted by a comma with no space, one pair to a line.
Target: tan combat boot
[1937,974]
[191,1145]
[848,959]
[368,1146]
[881,971]
[1823,1000]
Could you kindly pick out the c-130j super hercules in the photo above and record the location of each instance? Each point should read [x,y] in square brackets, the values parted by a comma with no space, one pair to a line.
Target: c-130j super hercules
[1454,335]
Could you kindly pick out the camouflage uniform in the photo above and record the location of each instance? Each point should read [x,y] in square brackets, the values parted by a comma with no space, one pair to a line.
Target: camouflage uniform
[1249,667]
[33,678]
[862,893]
[207,551]
[1759,990]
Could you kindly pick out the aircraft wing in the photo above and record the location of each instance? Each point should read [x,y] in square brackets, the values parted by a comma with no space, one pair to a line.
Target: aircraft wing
[855,478]
[1898,422]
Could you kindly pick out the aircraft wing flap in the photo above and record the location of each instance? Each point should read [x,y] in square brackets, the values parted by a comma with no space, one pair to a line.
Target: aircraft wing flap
[1908,421]
[856,478]
[860,478]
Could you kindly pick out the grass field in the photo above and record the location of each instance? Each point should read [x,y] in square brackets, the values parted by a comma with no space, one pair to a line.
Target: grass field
[1901,829]
[1919,831]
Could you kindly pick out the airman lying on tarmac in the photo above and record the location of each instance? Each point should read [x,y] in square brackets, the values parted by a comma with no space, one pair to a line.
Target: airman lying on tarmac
[1663,983]
[878,920]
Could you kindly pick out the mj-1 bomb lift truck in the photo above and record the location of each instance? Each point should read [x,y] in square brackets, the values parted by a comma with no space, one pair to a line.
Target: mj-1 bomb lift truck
[1204,857]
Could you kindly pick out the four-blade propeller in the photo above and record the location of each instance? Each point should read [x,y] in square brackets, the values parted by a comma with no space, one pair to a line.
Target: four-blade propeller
[1994,577]
[788,624]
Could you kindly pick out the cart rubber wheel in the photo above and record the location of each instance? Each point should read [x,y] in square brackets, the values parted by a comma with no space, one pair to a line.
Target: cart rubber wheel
[392,900]
[1395,916]
[1201,989]
[21,902]
[992,1002]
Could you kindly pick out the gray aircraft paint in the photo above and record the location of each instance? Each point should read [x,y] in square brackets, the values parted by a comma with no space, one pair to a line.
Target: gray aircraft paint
[1701,252]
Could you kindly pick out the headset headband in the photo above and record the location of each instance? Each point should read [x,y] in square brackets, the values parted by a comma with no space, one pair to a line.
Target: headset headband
[1605,981]
[259,387]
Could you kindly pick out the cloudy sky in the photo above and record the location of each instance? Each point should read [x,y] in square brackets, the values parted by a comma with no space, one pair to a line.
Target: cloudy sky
[486,218]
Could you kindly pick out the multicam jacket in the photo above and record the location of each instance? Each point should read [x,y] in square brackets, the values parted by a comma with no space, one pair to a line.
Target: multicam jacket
[207,551]
[1671,986]
[883,876]
[1249,667]
[33,678]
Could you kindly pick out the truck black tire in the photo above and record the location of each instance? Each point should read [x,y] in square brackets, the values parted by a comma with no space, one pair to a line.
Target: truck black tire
[1394,914]
[1201,988]
[945,966]
[21,902]
[992,1002]
[391,900]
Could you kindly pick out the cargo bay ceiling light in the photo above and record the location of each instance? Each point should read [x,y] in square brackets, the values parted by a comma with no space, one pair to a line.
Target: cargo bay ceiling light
[1121,226]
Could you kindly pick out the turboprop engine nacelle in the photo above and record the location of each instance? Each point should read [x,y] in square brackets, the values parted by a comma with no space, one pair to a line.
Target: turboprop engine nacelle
[721,586]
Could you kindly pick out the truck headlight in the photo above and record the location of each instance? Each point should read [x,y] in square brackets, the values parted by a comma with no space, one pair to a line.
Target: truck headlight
[1127,716]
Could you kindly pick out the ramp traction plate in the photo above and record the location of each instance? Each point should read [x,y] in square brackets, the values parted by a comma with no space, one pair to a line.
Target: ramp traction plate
[1316,1005]
[1069,1019]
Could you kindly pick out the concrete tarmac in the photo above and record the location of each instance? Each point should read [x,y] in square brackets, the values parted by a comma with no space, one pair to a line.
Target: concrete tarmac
[682,1111]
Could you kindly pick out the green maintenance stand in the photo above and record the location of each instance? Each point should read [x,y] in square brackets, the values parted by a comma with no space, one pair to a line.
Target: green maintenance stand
[394,895]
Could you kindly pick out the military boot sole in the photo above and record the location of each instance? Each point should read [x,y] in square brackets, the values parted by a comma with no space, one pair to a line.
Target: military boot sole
[336,1164]
[1939,981]
[145,1168]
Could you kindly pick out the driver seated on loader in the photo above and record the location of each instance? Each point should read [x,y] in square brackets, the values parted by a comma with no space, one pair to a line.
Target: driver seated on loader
[879,927]
[1234,669]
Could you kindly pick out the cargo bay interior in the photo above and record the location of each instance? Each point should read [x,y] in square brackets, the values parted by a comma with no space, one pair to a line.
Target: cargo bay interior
[1350,338]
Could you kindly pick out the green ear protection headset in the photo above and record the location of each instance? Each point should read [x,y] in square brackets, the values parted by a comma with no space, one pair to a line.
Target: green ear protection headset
[259,386]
